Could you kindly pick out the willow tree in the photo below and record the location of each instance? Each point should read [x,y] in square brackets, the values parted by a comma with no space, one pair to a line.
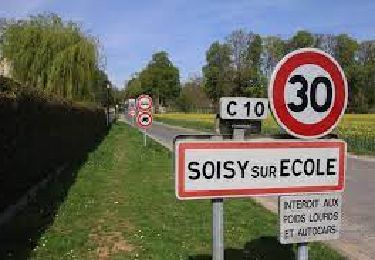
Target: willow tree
[51,54]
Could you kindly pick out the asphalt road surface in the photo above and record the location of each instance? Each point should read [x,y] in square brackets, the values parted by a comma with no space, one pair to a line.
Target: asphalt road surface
[357,240]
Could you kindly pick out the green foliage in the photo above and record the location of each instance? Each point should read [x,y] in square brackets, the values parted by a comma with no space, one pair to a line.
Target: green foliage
[99,89]
[243,64]
[183,102]
[39,133]
[273,51]
[160,79]
[234,68]
[361,93]
[345,51]
[133,87]
[8,85]
[192,97]
[217,72]
[300,40]
[255,51]
[53,55]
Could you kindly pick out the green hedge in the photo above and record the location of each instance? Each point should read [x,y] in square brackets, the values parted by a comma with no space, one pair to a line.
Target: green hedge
[38,133]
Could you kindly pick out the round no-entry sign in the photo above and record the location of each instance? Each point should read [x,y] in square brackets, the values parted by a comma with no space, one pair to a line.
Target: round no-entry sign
[308,93]
[144,119]
[144,103]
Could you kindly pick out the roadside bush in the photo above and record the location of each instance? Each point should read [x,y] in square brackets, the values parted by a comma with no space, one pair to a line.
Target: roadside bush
[38,133]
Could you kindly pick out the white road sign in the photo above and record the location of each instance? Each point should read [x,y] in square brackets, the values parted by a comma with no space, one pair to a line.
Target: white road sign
[144,119]
[131,103]
[308,93]
[308,218]
[243,108]
[144,103]
[131,112]
[211,169]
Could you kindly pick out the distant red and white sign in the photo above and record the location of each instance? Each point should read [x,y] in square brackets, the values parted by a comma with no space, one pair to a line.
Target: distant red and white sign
[144,119]
[131,112]
[144,103]
[215,169]
[308,93]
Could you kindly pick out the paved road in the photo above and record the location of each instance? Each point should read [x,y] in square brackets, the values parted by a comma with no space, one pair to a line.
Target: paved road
[358,233]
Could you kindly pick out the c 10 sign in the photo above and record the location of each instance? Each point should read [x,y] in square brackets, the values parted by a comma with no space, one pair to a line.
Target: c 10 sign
[243,108]
[210,169]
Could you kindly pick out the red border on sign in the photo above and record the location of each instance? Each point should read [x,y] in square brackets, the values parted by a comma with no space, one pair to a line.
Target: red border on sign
[302,57]
[138,103]
[186,194]
[131,112]
[138,119]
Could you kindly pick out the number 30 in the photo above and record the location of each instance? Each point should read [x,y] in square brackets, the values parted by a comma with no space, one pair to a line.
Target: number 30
[301,93]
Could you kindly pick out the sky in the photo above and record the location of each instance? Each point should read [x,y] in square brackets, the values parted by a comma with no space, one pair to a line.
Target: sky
[131,31]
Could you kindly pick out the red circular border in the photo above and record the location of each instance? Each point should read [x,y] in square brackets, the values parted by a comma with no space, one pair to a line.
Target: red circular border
[138,118]
[131,112]
[279,84]
[138,103]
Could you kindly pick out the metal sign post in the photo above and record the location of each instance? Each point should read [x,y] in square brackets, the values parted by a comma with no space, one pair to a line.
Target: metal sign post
[144,138]
[217,224]
[217,229]
[302,251]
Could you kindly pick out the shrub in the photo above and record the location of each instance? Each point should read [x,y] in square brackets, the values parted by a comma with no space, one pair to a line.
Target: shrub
[38,133]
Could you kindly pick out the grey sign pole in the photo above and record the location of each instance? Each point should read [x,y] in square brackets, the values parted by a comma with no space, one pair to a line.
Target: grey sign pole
[302,251]
[217,229]
[144,138]
[238,133]
[217,224]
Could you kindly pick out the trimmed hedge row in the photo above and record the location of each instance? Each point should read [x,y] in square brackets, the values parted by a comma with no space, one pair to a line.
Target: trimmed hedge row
[38,133]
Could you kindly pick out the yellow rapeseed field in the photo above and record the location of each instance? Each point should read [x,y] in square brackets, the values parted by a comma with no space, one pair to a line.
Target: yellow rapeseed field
[357,129]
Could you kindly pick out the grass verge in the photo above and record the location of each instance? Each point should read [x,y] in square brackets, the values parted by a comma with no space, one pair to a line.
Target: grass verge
[122,206]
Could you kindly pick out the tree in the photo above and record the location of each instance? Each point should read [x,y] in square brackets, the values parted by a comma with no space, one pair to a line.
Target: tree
[192,96]
[246,50]
[301,39]
[100,87]
[254,52]
[326,42]
[238,42]
[345,50]
[217,72]
[133,87]
[274,50]
[161,79]
[255,81]
[50,54]
[366,52]
[345,53]
[366,71]
[358,94]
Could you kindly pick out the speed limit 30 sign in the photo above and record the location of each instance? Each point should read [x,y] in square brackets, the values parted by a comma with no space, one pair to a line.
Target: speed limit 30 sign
[308,93]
